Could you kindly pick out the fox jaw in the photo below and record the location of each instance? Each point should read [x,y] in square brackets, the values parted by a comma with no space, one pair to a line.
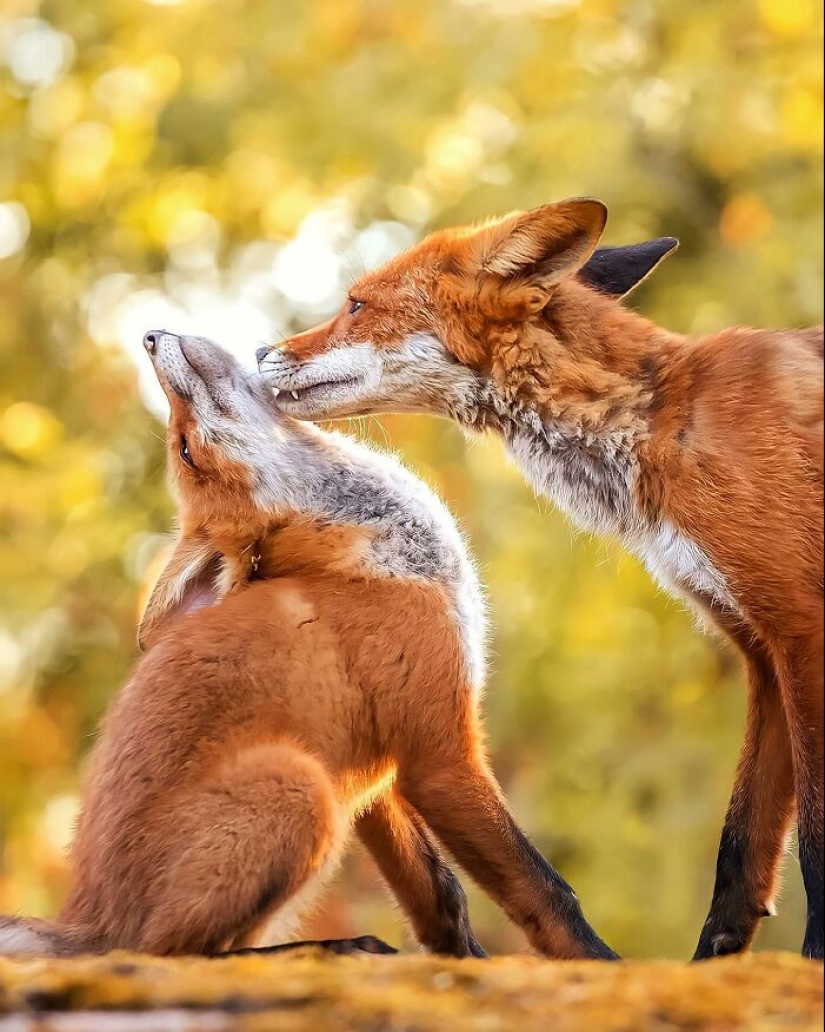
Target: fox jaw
[433,330]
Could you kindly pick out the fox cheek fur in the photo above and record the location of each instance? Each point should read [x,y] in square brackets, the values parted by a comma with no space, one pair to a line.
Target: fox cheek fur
[704,455]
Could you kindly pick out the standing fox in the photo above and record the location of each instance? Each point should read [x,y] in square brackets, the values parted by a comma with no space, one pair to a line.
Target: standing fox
[315,656]
[704,455]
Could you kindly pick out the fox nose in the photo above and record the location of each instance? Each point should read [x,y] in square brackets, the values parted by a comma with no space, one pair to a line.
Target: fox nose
[261,353]
[153,339]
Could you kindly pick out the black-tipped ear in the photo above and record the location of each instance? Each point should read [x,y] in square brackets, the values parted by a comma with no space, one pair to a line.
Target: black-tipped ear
[618,270]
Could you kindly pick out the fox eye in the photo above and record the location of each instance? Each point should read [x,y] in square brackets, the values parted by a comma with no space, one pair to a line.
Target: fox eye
[355,306]
[185,454]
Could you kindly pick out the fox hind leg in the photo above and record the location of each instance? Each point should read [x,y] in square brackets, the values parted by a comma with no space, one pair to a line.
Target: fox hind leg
[247,844]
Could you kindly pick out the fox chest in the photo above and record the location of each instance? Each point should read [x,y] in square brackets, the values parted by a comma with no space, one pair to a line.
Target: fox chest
[594,483]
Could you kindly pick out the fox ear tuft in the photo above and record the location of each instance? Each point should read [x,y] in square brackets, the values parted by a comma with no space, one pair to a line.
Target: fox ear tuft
[543,246]
[616,271]
[189,581]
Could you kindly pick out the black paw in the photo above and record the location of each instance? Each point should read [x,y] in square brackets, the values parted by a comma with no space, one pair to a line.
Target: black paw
[592,946]
[598,950]
[363,944]
[720,944]
[461,949]
[341,947]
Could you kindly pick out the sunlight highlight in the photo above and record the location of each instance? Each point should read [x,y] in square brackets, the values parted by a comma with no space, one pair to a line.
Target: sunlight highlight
[15,227]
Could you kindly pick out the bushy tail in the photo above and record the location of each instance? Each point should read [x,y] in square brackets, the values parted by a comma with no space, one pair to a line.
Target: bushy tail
[30,938]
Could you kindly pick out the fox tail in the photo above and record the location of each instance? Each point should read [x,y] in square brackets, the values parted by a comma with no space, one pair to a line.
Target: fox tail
[29,938]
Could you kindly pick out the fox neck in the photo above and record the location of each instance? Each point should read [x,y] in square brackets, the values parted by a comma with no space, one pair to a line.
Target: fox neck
[574,395]
[330,480]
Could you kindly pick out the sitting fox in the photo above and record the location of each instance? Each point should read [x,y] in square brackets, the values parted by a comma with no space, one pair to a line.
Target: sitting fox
[314,662]
[704,455]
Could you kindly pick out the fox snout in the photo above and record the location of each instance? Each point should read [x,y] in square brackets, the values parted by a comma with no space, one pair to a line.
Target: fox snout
[280,367]
[150,341]
[277,359]
[154,340]
[203,357]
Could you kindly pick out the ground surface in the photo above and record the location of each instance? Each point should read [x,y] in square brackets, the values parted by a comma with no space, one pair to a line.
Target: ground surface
[306,991]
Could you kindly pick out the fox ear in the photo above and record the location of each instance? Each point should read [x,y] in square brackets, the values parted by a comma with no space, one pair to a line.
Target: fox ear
[543,246]
[617,271]
[189,581]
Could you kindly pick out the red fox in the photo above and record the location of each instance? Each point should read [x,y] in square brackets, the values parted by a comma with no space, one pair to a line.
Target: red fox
[704,455]
[314,661]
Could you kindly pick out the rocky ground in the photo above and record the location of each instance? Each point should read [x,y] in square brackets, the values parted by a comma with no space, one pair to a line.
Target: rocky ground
[308,991]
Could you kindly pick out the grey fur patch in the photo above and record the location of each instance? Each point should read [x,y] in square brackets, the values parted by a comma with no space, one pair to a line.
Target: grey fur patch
[334,477]
[338,479]
[592,477]
[588,475]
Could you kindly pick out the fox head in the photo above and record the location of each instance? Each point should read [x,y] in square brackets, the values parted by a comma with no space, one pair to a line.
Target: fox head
[418,334]
[222,434]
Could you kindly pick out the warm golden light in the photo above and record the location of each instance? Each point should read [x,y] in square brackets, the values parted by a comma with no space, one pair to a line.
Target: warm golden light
[230,170]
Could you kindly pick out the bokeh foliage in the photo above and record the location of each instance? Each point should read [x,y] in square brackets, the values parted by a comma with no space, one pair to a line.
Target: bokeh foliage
[154,161]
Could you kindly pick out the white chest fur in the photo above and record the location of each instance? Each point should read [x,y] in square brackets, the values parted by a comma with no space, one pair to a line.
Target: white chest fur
[592,479]
[680,566]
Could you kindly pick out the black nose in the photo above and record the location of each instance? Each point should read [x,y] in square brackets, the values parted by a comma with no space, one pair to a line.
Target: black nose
[153,340]
[261,353]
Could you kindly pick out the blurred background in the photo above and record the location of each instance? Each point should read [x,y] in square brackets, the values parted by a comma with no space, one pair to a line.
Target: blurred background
[227,168]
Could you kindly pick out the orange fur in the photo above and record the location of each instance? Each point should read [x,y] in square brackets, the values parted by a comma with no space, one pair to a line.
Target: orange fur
[723,438]
[320,693]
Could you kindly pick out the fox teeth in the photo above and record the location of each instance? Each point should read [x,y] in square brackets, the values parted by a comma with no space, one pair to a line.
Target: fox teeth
[294,395]
[275,391]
